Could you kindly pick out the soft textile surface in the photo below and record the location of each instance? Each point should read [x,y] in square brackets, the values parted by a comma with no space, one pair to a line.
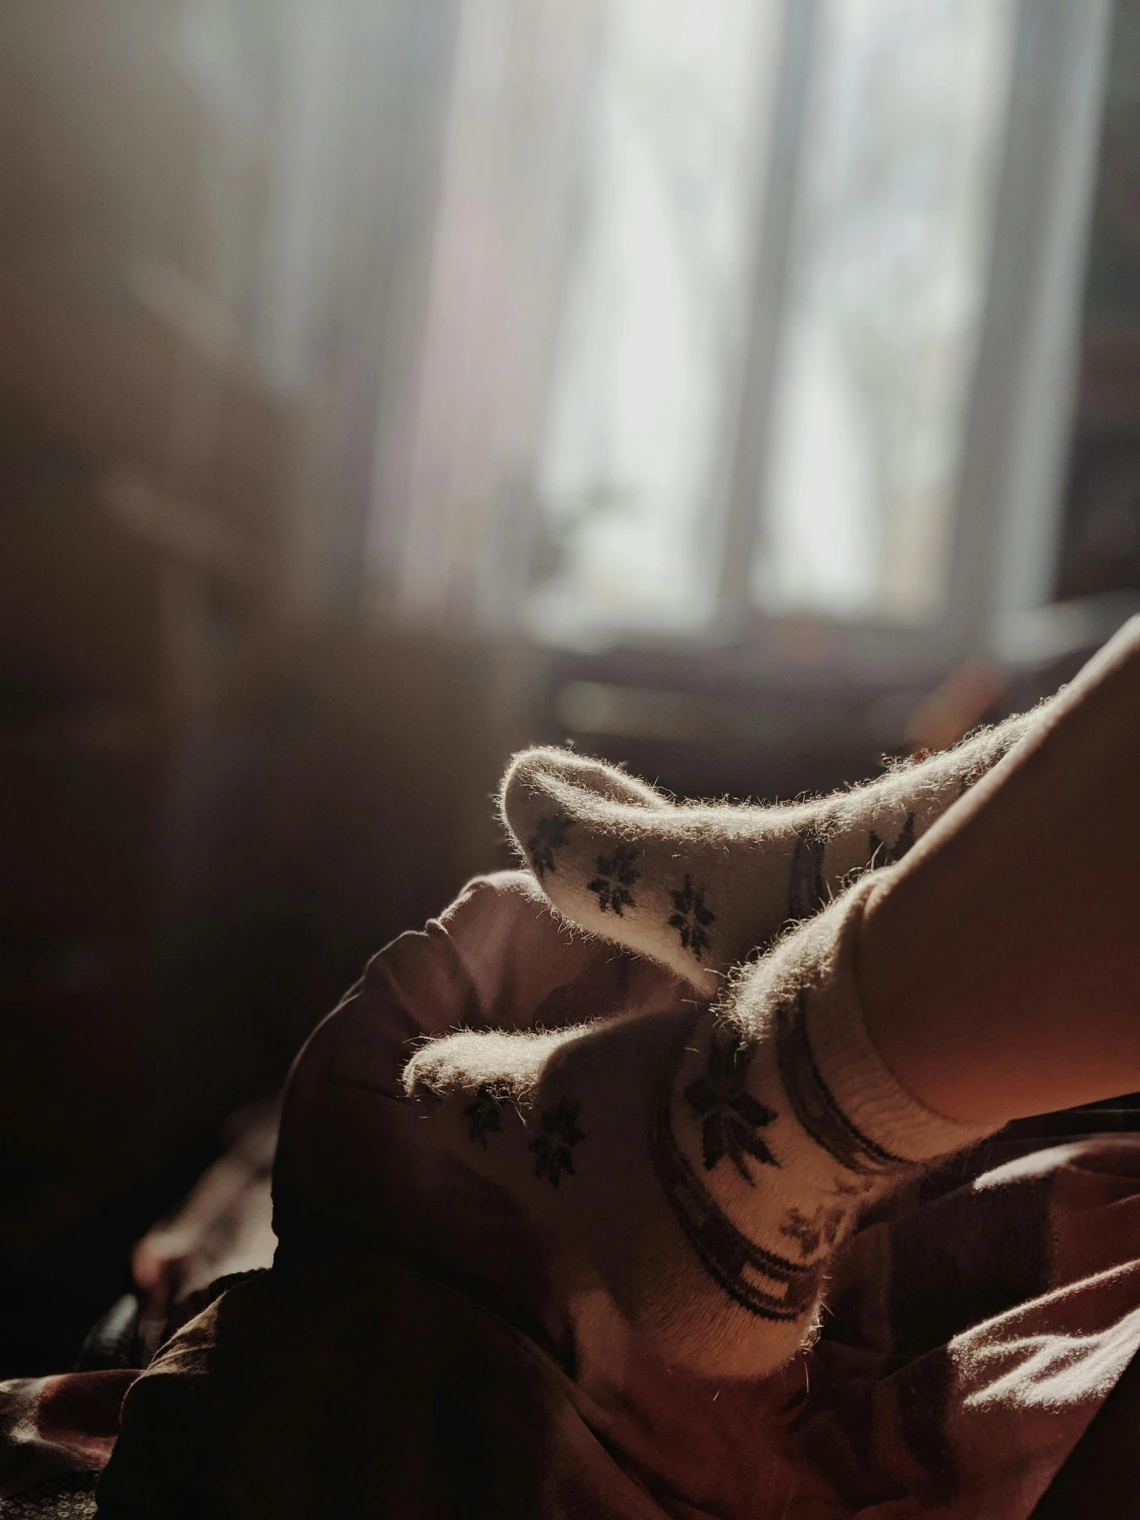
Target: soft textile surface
[414,1351]
[56,1434]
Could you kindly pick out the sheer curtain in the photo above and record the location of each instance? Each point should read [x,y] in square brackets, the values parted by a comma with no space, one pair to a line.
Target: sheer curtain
[642,318]
[893,226]
[710,305]
[453,519]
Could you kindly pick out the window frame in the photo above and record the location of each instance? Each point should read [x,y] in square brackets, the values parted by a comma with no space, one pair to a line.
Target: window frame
[1006,515]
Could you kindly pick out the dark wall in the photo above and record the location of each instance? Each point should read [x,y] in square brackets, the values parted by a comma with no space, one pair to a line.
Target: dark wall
[1101,545]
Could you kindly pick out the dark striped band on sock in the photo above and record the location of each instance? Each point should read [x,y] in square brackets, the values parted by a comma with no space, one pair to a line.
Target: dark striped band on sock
[812,1100]
[758,1280]
[807,890]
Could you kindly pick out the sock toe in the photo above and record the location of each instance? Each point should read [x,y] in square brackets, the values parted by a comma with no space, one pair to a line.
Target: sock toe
[624,862]
[506,1065]
[539,780]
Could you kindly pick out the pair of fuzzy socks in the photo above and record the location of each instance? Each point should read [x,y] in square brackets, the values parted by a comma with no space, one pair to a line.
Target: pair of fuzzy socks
[704,1163]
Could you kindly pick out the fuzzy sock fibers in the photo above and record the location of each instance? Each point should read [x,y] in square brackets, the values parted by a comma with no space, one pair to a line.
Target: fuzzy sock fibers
[699,886]
[703,1165]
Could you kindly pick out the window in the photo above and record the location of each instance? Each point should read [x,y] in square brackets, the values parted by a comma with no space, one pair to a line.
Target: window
[657,303]
[894,216]
[747,309]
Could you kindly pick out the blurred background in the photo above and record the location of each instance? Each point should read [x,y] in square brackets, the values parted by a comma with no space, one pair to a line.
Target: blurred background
[742,389]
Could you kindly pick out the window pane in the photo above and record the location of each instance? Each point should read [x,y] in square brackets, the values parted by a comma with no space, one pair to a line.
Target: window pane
[890,250]
[655,305]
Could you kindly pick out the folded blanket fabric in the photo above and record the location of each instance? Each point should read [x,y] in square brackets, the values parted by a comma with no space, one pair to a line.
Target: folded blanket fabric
[56,1434]
[420,1348]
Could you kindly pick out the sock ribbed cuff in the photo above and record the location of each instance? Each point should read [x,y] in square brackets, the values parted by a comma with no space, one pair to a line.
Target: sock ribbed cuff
[895,1125]
[841,1090]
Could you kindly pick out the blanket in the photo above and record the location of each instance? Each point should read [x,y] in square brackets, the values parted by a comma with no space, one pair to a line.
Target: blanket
[416,1350]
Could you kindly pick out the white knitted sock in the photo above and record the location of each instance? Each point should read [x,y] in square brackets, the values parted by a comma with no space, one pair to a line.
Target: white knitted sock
[703,1166]
[699,886]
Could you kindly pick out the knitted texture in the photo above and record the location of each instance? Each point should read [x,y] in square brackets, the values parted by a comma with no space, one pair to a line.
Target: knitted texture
[698,886]
[700,1166]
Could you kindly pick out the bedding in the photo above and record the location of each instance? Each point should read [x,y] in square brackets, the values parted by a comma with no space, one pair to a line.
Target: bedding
[417,1351]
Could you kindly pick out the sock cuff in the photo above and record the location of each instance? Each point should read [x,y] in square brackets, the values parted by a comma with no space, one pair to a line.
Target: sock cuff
[838,1059]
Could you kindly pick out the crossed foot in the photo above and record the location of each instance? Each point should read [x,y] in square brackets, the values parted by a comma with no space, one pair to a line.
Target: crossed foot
[705,1162]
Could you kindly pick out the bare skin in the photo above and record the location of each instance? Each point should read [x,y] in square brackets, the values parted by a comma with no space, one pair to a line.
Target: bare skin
[1000,961]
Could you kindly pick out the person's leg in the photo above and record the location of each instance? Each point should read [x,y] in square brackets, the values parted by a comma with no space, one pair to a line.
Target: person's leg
[702,1167]
[1000,963]
[699,886]
[705,1165]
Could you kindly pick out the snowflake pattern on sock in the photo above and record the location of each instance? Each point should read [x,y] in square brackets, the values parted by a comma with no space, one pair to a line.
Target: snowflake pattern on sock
[729,1115]
[484,1115]
[550,836]
[553,1150]
[855,1189]
[692,918]
[810,1231]
[616,874]
[765,1284]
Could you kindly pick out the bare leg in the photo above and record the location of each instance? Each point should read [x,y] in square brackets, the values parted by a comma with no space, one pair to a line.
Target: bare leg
[999,964]
[704,1165]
